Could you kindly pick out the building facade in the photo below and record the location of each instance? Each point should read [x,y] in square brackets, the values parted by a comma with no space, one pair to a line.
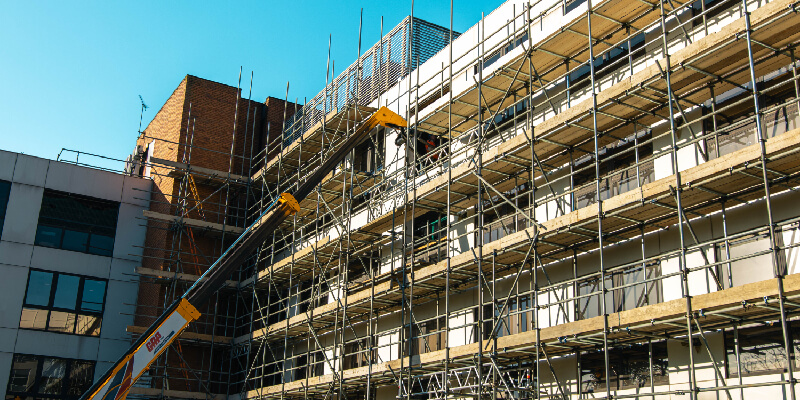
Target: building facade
[592,199]
[70,243]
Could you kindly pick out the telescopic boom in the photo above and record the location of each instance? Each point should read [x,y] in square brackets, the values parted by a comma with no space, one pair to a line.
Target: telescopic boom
[117,381]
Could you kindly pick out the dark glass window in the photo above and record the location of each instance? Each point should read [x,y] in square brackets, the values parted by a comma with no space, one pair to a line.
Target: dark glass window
[713,8]
[607,63]
[5,189]
[496,54]
[630,367]
[44,377]
[77,223]
[761,350]
[65,303]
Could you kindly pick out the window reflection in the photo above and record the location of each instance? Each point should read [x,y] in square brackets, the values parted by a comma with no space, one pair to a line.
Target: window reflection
[39,287]
[66,291]
[63,322]
[42,377]
[33,319]
[77,223]
[80,377]
[88,325]
[94,292]
[53,371]
[23,373]
[74,305]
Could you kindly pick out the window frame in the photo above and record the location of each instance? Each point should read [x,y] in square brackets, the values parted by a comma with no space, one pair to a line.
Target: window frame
[78,309]
[38,379]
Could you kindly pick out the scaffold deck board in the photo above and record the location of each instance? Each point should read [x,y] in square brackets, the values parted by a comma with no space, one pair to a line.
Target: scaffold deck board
[185,335]
[741,302]
[547,61]
[497,159]
[213,226]
[203,175]
[174,394]
[169,276]
[716,173]
[303,149]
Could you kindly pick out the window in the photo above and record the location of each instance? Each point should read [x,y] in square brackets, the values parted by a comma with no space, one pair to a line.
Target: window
[369,155]
[5,189]
[357,354]
[45,377]
[571,5]
[761,350]
[630,367]
[629,288]
[78,223]
[713,7]
[515,318]
[429,336]
[501,219]
[607,63]
[64,303]
[618,170]
[429,238]
[495,55]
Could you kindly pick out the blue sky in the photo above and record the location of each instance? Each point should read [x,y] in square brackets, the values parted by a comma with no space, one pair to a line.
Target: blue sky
[71,72]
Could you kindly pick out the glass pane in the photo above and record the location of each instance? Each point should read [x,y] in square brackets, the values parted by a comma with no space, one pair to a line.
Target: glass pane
[33,319]
[75,241]
[88,325]
[78,213]
[53,372]
[101,245]
[93,294]
[39,286]
[23,373]
[66,292]
[5,188]
[48,236]
[81,374]
[63,322]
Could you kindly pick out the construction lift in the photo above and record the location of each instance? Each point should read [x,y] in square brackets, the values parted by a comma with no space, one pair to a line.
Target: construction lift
[117,381]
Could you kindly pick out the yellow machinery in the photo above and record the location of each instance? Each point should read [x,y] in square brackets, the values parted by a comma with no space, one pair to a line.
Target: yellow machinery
[117,381]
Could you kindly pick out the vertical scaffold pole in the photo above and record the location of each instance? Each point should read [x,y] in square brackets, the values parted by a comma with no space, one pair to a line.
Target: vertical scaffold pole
[674,154]
[776,265]
[599,203]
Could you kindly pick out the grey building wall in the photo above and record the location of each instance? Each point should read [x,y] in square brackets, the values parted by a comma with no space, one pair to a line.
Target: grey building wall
[29,176]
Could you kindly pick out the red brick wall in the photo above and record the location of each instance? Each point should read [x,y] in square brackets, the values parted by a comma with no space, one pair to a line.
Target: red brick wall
[277,111]
[166,125]
[208,109]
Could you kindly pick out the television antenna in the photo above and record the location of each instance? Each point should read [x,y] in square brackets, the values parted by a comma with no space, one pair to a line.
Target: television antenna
[144,107]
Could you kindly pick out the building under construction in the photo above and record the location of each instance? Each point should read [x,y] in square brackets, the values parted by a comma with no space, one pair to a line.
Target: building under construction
[592,199]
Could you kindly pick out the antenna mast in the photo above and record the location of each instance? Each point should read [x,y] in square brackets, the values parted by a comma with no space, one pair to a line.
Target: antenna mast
[144,107]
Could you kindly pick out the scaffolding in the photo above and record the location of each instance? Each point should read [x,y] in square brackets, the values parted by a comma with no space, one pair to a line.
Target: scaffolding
[202,190]
[593,199]
[551,226]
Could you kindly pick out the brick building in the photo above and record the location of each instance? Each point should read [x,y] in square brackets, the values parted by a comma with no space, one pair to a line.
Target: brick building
[199,150]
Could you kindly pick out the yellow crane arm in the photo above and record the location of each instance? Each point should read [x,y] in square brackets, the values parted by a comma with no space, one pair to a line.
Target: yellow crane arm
[117,381]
